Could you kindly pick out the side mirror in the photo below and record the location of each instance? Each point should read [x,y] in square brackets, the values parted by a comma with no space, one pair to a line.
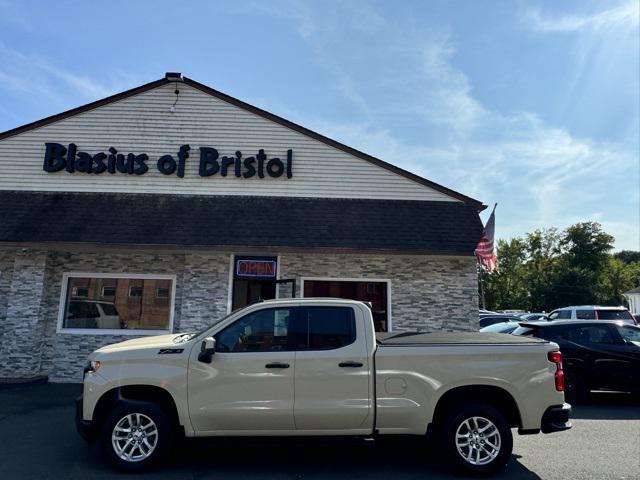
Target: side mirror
[207,349]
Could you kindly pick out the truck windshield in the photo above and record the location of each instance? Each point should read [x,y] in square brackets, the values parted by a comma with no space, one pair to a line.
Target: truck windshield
[188,336]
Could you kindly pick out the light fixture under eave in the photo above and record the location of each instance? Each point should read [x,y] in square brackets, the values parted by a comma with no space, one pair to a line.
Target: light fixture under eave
[174,77]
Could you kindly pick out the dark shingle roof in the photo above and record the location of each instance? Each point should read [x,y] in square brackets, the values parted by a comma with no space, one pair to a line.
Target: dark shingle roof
[189,220]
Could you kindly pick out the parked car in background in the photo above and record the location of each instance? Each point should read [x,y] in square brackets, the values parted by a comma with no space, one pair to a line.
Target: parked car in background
[502,327]
[532,317]
[512,312]
[592,312]
[487,312]
[596,355]
[487,320]
[93,314]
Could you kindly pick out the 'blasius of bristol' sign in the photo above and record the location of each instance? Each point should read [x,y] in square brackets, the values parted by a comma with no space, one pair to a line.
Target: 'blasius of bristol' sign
[57,157]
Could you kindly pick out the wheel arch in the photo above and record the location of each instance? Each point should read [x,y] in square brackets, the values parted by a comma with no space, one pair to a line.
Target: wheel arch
[147,393]
[493,395]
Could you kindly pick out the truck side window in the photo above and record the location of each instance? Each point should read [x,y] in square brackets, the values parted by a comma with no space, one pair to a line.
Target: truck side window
[328,327]
[262,331]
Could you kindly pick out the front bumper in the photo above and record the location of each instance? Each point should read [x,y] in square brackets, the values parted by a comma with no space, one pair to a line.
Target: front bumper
[556,419]
[85,428]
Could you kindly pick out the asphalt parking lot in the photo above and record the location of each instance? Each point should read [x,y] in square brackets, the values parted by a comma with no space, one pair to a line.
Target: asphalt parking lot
[38,440]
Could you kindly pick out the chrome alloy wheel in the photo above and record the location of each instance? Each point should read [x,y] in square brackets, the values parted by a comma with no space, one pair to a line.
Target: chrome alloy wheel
[478,440]
[134,438]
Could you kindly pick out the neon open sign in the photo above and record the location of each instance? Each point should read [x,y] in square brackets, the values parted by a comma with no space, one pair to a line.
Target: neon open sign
[256,268]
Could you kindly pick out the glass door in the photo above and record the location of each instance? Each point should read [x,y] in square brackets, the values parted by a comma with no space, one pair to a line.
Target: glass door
[256,279]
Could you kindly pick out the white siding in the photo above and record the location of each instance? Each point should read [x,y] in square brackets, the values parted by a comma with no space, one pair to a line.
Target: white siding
[144,124]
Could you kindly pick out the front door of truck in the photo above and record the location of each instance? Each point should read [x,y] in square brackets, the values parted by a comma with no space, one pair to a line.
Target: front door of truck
[332,379]
[248,386]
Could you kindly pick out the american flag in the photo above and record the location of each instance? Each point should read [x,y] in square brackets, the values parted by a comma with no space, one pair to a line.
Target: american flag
[484,250]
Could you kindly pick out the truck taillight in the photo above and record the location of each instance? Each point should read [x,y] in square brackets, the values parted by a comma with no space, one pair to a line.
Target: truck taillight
[556,357]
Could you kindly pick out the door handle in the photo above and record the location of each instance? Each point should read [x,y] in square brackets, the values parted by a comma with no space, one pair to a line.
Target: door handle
[350,364]
[277,365]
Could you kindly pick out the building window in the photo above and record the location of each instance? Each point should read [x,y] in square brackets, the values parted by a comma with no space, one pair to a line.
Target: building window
[105,303]
[162,292]
[136,290]
[375,292]
[109,291]
[80,292]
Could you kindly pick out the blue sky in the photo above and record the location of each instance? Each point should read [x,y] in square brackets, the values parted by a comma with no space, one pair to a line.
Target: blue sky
[534,105]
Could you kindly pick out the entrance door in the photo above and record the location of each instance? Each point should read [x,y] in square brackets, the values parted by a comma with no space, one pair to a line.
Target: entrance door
[256,279]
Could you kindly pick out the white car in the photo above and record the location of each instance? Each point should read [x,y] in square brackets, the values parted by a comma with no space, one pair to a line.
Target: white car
[92,314]
[592,312]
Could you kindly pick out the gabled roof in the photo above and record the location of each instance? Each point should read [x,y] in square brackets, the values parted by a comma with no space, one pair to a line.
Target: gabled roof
[258,111]
[635,290]
[197,221]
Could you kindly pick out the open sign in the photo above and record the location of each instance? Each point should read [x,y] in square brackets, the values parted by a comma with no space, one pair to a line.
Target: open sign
[251,268]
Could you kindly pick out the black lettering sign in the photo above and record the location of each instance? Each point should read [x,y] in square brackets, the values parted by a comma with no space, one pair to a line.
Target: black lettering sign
[54,160]
[183,154]
[57,157]
[208,161]
[167,165]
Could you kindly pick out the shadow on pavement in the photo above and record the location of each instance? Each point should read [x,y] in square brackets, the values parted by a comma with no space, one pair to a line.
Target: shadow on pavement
[40,419]
[606,406]
[307,458]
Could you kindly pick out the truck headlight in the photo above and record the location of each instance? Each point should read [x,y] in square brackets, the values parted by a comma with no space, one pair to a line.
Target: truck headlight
[92,366]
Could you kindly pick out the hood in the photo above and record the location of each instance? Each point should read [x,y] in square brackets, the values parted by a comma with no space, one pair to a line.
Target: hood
[155,341]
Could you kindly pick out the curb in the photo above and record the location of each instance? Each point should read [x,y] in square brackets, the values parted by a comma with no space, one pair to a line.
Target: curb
[23,382]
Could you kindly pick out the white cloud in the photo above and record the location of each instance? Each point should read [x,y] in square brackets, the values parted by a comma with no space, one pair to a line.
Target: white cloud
[41,79]
[626,14]
[541,175]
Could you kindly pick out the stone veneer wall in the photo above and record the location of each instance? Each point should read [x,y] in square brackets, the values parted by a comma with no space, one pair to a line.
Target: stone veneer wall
[426,293]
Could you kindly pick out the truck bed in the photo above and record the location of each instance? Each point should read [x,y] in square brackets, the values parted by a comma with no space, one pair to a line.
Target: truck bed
[400,339]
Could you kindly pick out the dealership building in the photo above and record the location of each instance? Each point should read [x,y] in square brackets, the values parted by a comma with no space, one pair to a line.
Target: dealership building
[163,208]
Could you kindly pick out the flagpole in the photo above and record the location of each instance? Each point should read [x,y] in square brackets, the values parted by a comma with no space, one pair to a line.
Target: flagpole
[484,305]
[487,238]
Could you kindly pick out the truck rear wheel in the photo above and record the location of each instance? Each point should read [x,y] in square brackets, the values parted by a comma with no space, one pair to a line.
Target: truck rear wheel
[135,435]
[476,438]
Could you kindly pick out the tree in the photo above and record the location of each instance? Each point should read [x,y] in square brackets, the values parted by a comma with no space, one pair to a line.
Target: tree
[628,256]
[619,277]
[547,269]
[505,287]
[543,251]
[586,246]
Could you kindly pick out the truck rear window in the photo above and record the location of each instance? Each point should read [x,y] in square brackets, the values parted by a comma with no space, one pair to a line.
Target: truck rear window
[329,327]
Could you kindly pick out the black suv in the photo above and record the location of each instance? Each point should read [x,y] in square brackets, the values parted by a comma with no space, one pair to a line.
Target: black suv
[597,355]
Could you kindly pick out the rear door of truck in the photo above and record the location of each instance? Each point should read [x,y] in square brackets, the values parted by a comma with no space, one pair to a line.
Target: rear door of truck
[333,380]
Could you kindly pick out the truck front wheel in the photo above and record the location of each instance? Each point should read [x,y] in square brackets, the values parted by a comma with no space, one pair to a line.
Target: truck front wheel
[477,438]
[135,435]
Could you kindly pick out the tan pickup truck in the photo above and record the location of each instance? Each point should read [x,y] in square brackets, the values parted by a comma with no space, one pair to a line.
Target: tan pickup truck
[309,367]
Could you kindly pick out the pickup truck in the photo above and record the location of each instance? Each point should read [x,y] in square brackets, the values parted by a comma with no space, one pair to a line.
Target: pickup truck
[311,367]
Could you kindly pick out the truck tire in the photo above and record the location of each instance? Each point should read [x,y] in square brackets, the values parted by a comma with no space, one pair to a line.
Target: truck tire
[476,438]
[136,435]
